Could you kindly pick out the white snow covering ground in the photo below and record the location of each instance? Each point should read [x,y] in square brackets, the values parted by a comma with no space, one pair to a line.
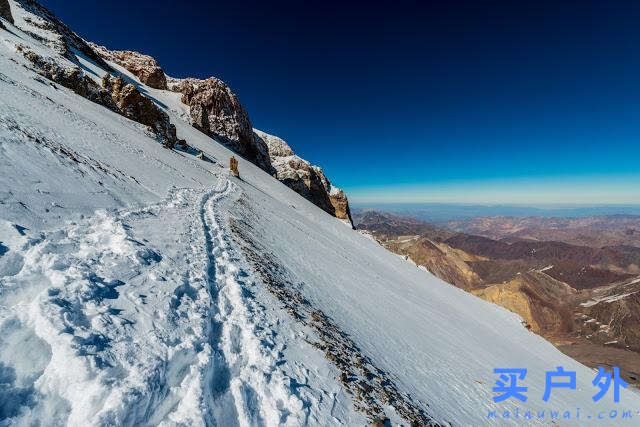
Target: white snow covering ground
[126,299]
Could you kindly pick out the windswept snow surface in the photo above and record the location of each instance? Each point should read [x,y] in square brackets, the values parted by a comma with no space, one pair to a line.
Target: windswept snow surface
[126,298]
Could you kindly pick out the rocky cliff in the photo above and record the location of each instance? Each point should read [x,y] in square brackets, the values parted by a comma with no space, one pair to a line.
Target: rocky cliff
[304,178]
[213,107]
[144,67]
[135,106]
[215,110]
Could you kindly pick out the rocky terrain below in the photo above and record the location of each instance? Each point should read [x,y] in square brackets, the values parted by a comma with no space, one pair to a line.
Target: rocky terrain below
[584,299]
[594,231]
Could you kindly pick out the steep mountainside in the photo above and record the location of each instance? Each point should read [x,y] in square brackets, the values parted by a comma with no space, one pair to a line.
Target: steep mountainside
[143,284]
[216,111]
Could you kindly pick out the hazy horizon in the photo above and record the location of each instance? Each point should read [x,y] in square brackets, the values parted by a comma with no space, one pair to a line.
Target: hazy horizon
[452,211]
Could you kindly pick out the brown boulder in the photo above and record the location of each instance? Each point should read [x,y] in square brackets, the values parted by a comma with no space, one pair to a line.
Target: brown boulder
[135,106]
[144,67]
[216,111]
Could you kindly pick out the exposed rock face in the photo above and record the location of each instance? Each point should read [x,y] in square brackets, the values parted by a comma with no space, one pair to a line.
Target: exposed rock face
[5,11]
[216,111]
[41,24]
[114,94]
[71,77]
[440,259]
[340,204]
[133,105]
[144,67]
[304,178]
[537,298]
[612,314]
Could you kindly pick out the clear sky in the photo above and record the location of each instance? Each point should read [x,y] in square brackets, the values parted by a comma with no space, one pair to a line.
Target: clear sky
[514,102]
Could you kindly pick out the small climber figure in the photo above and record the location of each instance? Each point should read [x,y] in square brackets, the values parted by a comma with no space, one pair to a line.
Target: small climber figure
[233,167]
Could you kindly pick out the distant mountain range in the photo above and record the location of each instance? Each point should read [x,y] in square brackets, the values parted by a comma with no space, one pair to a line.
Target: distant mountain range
[593,231]
[443,212]
[579,287]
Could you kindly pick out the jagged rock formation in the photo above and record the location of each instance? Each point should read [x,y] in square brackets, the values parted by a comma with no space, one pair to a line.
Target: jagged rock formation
[144,67]
[114,94]
[71,77]
[304,178]
[216,111]
[133,105]
[5,12]
[41,24]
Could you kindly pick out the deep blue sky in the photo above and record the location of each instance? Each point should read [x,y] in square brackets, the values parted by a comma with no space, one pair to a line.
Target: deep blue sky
[404,101]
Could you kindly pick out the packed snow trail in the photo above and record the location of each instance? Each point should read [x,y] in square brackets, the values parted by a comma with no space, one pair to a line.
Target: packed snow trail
[251,355]
[126,327]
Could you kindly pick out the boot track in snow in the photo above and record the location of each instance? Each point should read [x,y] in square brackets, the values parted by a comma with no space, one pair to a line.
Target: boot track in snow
[113,343]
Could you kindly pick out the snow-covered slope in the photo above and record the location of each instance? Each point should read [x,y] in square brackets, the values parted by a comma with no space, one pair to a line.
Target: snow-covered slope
[144,286]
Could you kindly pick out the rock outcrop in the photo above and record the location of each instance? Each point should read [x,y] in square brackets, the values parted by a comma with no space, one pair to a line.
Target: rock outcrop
[144,67]
[124,99]
[71,77]
[304,178]
[5,11]
[340,204]
[216,111]
[135,106]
